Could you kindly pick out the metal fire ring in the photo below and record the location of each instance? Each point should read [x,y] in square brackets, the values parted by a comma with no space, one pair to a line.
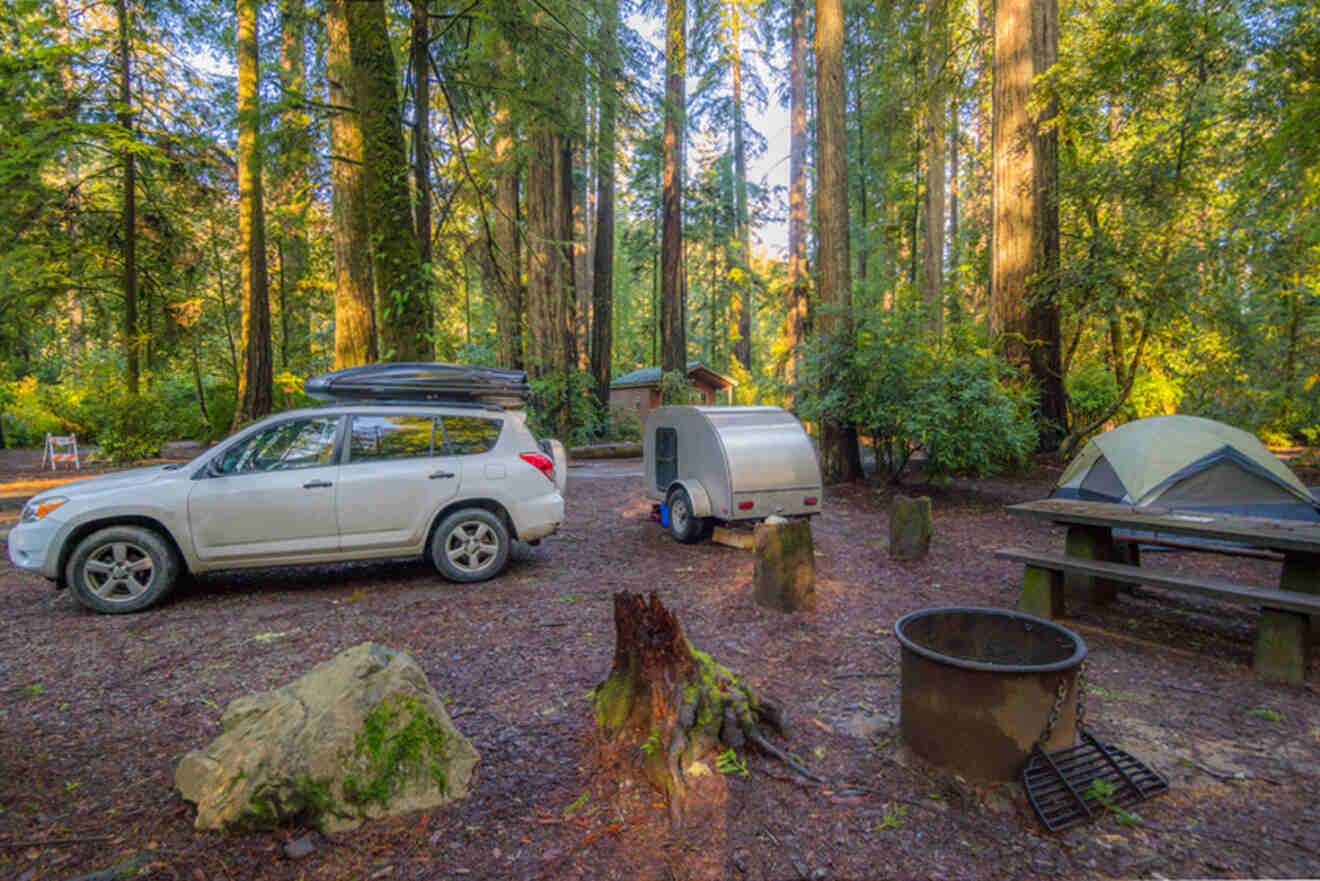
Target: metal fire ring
[1079,645]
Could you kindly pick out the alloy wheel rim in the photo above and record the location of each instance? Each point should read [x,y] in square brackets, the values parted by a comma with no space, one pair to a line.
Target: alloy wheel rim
[119,572]
[472,546]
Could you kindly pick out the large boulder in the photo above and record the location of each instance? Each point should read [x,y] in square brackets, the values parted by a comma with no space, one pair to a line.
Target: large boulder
[362,735]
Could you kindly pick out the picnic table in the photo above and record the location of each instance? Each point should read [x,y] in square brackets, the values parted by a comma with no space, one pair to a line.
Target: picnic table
[1093,566]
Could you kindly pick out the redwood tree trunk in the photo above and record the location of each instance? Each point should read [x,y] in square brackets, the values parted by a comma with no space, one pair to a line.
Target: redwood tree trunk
[933,251]
[255,387]
[743,350]
[509,292]
[129,246]
[401,290]
[1013,203]
[602,294]
[798,285]
[840,458]
[673,332]
[1046,350]
[293,189]
[421,147]
[355,301]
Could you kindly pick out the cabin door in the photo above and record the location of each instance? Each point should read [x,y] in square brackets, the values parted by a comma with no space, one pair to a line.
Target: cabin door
[666,458]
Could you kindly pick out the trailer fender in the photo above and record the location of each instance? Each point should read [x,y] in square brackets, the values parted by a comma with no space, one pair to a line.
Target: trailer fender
[697,493]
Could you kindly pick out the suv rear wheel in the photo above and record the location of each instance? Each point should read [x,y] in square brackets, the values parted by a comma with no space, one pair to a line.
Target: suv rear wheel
[122,569]
[470,545]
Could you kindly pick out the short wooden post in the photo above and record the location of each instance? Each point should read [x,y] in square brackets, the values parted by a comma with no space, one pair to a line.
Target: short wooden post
[1283,645]
[909,528]
[1090,543]
[1042,593]
[785,569]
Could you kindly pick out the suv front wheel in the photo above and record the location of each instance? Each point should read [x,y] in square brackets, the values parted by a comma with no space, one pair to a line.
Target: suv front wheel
[470,545]
[122,569]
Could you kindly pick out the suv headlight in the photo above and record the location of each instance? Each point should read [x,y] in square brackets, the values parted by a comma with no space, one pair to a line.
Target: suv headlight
[35,510]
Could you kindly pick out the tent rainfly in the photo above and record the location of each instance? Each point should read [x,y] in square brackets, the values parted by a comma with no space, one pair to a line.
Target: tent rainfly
[1187,463]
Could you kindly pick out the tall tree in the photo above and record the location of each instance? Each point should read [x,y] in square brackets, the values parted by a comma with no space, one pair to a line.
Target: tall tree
[129,216]
[1024,282]
[743,287]
[420,60]
[673,311]
[507,257]
[355,301]
[255,384]
[1013,203]
[293,187]
[1046,351]
[506,239]
[937,51]
[840,457]
[549,264]
[797,326]
[402,292]
[602,296]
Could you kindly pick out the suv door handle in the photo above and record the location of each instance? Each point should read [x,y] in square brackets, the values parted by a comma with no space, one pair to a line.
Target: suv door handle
[441,474]
[316,484]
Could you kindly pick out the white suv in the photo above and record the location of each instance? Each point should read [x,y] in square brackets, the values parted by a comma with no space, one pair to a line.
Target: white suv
[340,482]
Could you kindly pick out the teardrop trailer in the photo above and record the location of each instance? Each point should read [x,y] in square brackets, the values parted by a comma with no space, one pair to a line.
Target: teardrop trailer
[735,465]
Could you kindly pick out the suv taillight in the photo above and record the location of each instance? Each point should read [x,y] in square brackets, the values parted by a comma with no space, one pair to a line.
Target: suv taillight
[542,463]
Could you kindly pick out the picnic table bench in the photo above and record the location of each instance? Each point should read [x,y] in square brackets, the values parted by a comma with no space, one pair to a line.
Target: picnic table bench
[1093,567]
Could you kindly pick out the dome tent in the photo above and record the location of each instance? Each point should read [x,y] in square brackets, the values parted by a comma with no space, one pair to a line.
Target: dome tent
[1187,463]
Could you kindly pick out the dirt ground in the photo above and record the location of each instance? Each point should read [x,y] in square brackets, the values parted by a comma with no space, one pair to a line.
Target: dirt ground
[96,711]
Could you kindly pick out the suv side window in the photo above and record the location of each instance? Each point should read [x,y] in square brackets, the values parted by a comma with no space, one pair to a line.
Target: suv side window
[469,435]
[298,443]
[375,438]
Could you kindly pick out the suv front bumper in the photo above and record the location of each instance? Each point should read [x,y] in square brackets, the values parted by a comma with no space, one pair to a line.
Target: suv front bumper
[31,546]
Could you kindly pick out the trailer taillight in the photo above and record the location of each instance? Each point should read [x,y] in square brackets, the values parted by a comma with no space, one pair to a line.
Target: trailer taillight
[809,500]
[745,506]
[542,463]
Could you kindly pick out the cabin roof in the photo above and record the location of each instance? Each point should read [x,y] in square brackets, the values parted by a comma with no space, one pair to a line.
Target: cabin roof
[695,370]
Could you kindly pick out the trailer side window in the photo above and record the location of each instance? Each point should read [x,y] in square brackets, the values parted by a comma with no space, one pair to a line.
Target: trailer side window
[666,457]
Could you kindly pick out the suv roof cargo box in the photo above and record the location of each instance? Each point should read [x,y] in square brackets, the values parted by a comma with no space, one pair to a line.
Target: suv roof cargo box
[422,381]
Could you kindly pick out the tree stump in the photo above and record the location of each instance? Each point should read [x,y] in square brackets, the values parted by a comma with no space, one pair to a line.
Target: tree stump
[909,528]
[785,570]
[676,712]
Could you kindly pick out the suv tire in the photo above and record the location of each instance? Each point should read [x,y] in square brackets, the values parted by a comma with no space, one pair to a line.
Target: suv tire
[122,569]
[471,544]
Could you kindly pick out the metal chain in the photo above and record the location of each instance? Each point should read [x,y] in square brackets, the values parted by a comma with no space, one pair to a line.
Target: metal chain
[1060,694]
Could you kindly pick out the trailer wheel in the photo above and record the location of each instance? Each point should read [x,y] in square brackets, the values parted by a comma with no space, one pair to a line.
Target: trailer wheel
[683,525]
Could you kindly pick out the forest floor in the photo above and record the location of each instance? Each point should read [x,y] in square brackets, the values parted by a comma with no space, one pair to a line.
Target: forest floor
[96,710]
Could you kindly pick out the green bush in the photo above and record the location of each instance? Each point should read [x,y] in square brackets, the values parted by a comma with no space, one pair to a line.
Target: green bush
[953,405]
[563,405]
[621,427]
[1092,390]
[676,389]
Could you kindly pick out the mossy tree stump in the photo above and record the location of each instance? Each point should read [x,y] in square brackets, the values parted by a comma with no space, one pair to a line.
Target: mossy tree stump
[674,711]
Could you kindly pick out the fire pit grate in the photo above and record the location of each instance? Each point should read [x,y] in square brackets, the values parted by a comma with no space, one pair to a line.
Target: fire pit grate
[1061,785]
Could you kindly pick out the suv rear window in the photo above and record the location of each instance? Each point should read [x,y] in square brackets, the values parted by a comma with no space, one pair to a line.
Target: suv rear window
[469,435]
[375,438]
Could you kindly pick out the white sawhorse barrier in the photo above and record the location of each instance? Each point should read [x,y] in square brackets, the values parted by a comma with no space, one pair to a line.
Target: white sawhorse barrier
[61,449]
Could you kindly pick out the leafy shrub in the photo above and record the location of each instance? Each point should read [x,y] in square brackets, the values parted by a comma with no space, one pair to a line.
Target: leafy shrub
[563,405]
[621,427]
[675,388]
[1092,390]
[953,405]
